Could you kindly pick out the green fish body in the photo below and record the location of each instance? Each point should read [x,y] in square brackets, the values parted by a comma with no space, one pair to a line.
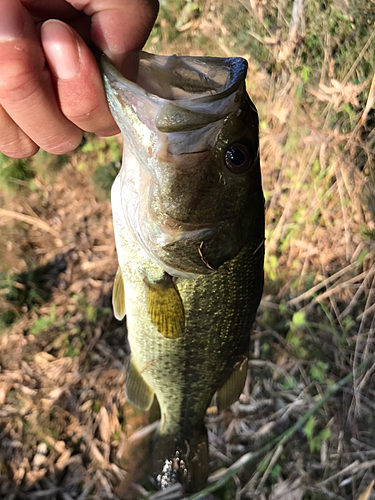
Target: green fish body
[188,215]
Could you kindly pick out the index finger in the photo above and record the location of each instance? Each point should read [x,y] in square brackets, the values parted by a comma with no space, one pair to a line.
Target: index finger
[120,28]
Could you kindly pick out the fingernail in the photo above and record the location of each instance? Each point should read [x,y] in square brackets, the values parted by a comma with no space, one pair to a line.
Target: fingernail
[61,49]
[11,23]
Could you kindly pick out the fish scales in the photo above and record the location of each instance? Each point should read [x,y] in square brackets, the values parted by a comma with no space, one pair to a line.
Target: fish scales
[169,364]
[188,215]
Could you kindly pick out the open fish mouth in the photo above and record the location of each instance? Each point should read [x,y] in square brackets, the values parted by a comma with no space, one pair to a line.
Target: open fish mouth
[183,83]
[175,191]
[173,95]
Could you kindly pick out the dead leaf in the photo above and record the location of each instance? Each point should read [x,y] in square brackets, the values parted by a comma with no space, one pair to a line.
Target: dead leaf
[62,461]
[270,40]
[289,490]
[338,93]
[104,425]
[281,114]
[96,454]
[369,104]
[4,389]
[366,494]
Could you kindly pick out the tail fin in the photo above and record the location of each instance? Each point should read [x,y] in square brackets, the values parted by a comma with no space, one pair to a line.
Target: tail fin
[183,460]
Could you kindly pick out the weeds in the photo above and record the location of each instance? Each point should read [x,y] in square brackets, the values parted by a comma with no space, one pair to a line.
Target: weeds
[23,291]
[14,174]
[296,427]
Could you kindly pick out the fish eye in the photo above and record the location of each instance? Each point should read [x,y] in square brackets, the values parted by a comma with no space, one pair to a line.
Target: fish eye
[238,158]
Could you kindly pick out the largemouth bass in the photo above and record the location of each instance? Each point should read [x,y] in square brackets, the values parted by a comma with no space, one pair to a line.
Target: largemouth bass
[188,214]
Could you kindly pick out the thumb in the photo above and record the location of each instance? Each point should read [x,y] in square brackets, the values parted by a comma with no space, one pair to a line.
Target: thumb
[120,28]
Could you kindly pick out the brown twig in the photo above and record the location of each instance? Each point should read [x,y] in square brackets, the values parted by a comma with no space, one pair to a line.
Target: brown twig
[29,220]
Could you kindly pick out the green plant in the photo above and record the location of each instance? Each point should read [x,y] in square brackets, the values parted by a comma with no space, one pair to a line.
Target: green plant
[104,177]
[319,370]
[14,173]
[314,438]
[43,322]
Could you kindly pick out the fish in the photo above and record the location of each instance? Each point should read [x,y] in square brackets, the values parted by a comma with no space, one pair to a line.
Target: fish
[188,215]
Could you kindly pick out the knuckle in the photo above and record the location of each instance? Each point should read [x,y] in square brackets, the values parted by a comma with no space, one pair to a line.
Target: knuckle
[65,146]
[22,148]
[83,114]
[86,114]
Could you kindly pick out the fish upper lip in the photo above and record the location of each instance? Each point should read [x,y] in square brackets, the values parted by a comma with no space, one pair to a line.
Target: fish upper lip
[235,66]
[168,109]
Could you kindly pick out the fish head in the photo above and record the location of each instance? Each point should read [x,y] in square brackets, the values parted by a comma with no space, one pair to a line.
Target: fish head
[190,183]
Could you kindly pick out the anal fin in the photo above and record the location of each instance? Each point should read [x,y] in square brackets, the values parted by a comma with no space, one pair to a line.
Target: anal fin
[118,296]
[137,391]
[165,307]
[230,391]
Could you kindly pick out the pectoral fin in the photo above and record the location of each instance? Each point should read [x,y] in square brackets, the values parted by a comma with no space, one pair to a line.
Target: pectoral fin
[118,296]
[137,391]
[165,307]
[232,388]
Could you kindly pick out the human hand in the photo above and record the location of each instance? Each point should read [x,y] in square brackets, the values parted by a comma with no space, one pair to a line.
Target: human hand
[50,85]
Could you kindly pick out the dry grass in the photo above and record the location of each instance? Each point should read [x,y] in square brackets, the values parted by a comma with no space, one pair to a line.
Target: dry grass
[66,431]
